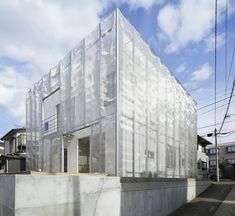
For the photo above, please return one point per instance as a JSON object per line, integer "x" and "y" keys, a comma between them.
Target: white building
{"x": 202, "y": 157}
{"x": 111, "y": 106}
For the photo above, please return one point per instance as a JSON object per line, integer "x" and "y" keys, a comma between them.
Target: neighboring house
{"x": 14, "y": 140}
{"x": 1, "y": 147}
{"x": 1, "y": 153}
{"x": 202, "y": 157}
{"x": 226, "y": 153}
{"x": 111, "y": 106}
{"x": 13, "y": 159}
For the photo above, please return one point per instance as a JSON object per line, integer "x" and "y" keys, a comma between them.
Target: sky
{"x": 36, "y": 34}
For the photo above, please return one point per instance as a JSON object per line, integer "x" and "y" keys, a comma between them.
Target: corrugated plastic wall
{"x": 142, "y": 121}
{"x": 157, "y": 125}
{"x": 86, "y": 81}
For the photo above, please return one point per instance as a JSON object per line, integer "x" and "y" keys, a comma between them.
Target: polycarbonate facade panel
{"x": 86, "y": 81}
{"x": 141, "y": 120}
{"x": 157, "y": 127}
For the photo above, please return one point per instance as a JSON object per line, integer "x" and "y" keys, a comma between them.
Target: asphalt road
{"x": 207, "y": 203}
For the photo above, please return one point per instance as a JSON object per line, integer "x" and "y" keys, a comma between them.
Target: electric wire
{"x": 229, "y": 102}
{"x": 214, "y": 124}
{"x": 211, "y": 132}
{"x": 230, "y": 70}
{"x": 215, "y": 80}
{"x": 221, "y": 93}
{"x": 225, "y": 55}
{"x": 226, "y": 134}
{"x": 210, "y": 104}
{"x": 226, "y": 46}
{"x": 221, "y": 96}
{"x": 200, "y": 114}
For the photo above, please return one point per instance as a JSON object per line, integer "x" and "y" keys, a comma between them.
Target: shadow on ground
{"x": 207, "y": 202}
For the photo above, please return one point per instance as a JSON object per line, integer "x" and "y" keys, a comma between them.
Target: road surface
{"x": 217, "y": 200}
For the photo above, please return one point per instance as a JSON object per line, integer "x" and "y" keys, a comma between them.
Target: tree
{"x": 223, "y": 164}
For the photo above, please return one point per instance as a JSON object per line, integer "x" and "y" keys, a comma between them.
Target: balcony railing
{"x": 50, "y": 125}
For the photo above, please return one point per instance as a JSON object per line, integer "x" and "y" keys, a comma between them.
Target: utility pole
{"x": 217, "y": 157}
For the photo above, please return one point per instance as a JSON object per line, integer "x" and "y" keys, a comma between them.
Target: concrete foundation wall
{"x": 67, "y": 195}
{"x": 62, "y": 195}
{"x": 7, "y": 195}
{"x": 160, "y": 197}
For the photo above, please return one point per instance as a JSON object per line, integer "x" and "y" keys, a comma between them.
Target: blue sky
{"x": 35, "y": 35}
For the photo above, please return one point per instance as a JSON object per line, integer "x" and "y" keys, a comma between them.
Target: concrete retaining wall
{"x": 40, "y": 195}
{"x": 159, "y": 197}
{"x": 62, "y": 195}
{"x": 7, "y": 195}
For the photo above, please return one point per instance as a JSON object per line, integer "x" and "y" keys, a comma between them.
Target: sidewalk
{"x": 227, "y": 208}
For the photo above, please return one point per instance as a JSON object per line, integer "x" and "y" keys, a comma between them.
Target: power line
{"x": 230, "y": 69}
{"x": 220, "y": 96}
{"x": 215, "y": 81}
{"x": 228, "y": 128}
{"x": 221, "y": 93}
{"x": 229, "y": 102}
{"x": 228, "y": 133}
{"x": 227, "y": 81}
{"x": 213, "y": 109}
{"x": 224, "y": 133}
{"x": 226, "y": 54}
{"x": 214, "y": 124}
{"x": 213, "y": 103}
{"x": 217, "y": 161}
{"x": 211, "y": 131}
{"x": 226, "y": 45}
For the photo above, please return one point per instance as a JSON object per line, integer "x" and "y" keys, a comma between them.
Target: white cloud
{"x": 181, "y": 68}
{"x": 35, "y": 35}
{"x": 31, "y": 28}
{"x": 134, "y": 4}
{"x": 13, "y": 88}
{"x": 210, "y": 42}
{"x": 189, "y": 22}
{"x": 231, "y": 8}
{"x": 203, "y": 73}
{"x": 168, "y": 20}
{"x": 143, "y": 3}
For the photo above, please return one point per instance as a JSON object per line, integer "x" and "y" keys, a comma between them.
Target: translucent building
{"x": 111, "y": 106}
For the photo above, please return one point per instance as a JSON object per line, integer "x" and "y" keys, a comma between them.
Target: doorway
{"x": 65, "y": 160}
{"x": 84, "y": 155}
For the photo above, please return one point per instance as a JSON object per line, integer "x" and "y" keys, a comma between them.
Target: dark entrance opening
{"x": 84, "y": 155}
{"x": 65, "y": 160}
